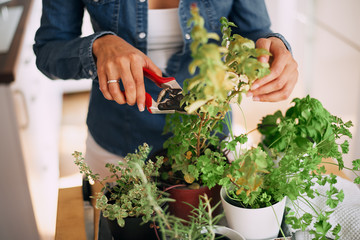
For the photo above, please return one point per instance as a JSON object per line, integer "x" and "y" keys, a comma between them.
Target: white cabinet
{"x": 17, "y": 219}
{"x": 38, "y": 106}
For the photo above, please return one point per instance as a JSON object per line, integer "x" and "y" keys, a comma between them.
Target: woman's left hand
{"x": 279, "y": 84}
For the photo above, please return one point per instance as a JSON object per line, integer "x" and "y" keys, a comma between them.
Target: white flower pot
{"x": 222, "y": 231}
{"x": 229, "y": 233}
{"x": 259, "y": 223}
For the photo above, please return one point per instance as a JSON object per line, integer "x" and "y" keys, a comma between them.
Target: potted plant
{"x": 134, "y": 199}
{"x": 202, "y": 223}
{"x": 194, "y": 156}
{"x": 287, "y": 164}
{"x": 123, "y": 199}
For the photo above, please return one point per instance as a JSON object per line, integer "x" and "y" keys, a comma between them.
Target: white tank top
{"x": 164, "y": 35}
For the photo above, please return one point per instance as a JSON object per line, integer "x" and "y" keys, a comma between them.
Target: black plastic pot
{"x": 134, "y": 229}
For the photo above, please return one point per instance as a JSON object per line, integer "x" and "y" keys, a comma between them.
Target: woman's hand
{"x": 117, "y": 59}
{"x": 279, "y": 84}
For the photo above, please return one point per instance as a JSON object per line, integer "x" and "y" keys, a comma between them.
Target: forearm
{"x": 68, "y": 59}
{"x": 59, "y": 49}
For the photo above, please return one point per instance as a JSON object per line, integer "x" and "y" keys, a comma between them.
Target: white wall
{"x": 325, "y": 38}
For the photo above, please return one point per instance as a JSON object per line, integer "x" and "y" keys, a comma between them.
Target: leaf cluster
{"x": 220, "y": 75}
{"x": 290, "y": 162}
{"x": 135, "y": 194}
{"x": 191, "y": 148}
{"x": 126, "y": 196}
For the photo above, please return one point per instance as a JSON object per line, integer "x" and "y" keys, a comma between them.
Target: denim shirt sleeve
{"x": 60, "y": 51}
{"x": 253, "y": 21}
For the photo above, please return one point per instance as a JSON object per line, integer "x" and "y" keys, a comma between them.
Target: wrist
{"x": 98, "y": 42}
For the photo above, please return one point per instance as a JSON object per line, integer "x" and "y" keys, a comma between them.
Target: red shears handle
{"x": 162, "y": 82}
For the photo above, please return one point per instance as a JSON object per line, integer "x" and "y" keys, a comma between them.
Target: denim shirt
{"x": 63, "y": 54}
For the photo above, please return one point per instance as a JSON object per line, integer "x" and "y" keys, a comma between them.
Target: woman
{"x": 132, "y": 34}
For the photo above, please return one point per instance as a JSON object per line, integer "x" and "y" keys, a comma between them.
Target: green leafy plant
{"x": 134, "y": 193}
{"x": 126, "y": 197}
{"x": 221, "y": 75}
{"x": 290, "y": 161}
{"x": 295, "y": 147}
{"x": 201, "y": 224}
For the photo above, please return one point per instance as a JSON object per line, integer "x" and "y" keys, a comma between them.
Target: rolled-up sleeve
{"x": 60, "y": 51}
{"x": 253, "y": 20}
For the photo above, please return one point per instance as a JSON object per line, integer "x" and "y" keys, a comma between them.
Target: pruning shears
{"x": 169, "y": 98}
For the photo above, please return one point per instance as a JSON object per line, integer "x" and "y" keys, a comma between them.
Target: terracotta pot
{"x": 191, "y": 196}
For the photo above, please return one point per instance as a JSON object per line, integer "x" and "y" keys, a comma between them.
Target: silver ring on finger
{"x": 112, "y": 81}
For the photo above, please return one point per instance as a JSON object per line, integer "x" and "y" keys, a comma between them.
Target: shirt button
{"x": 142, "y": 0}
{"x": 187, "y": 36}
{"x": 90, "y": 72}
{"x": 142, "y": 35}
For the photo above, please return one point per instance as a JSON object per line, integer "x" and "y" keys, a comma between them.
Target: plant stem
{"x": 207, "y": 201}
{"x": 198, "y": 147}
{"x": 347, "y": 168}
{"x": 277, "y": 220}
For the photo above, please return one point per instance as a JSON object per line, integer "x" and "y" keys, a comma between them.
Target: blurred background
{"x": 43, "y": 121}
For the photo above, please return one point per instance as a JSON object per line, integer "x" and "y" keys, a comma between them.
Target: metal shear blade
{"x": 169, "y": 98}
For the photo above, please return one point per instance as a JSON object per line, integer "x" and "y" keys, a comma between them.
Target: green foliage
{"x": 189, "y": 148}
{"x": 246, "y": 178}
{"x": 127, "y": 197}
{"x": 223, "y": 73}
{"x": 200, "y": 226}
{"x": 290, "y": 161}
{"x": 135, "y": 194}
{"x": 306, "y": 125}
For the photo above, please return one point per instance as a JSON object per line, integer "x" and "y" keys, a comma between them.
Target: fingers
{"x": 265, "y": 44}
{"x": 278, "y": 85}
{"x": 138, "y": 77}
{"x": 151, "y": 66}
{"x": 103, "y": 84}
{"x": 114, "y": 88}
{"x": 281, "y": 59}
{"x": 279, "y": 89}
{"x": 118, "y": 60}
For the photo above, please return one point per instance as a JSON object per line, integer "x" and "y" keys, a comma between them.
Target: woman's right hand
{"x": 117, "y": 59}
